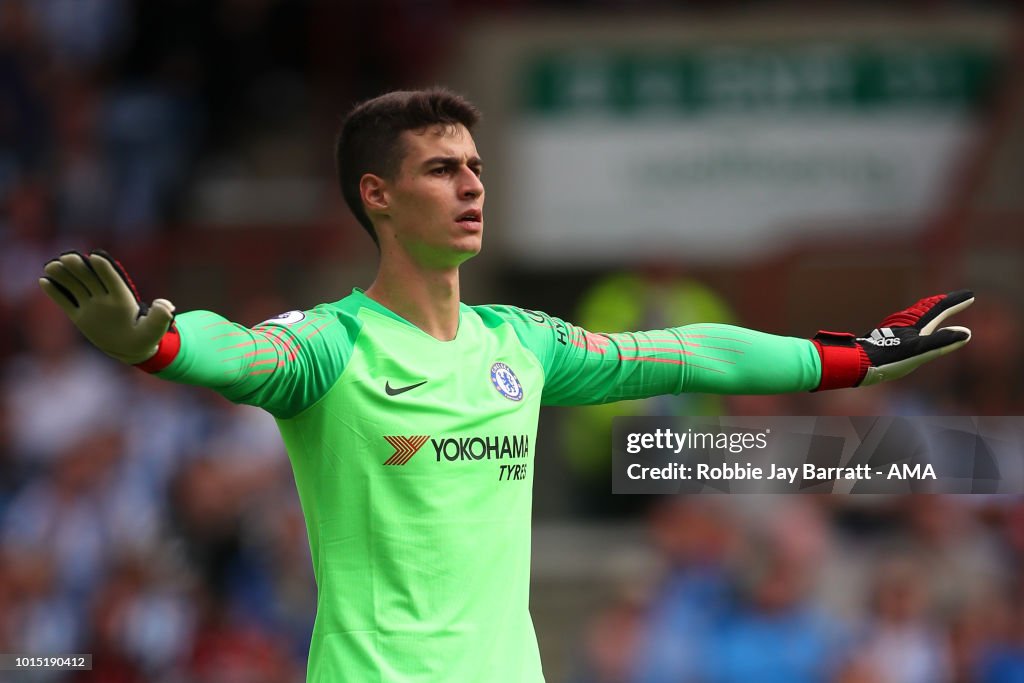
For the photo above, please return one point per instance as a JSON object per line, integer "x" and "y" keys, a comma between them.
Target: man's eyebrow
{"x": 453, "y": 161}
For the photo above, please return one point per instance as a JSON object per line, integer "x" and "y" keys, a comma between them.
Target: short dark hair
{"x": 370, "y": 138}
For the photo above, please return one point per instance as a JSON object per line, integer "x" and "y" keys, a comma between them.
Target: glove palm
{"x": 101, "y": 301}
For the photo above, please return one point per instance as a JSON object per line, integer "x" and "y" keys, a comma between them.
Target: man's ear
{"x": 373, "y": 191}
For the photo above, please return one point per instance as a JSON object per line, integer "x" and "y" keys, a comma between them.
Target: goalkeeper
{"x": 410, "y": 418}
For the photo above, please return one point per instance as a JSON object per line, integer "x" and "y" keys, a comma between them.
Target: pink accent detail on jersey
{"x": 696, "y": 346}
{"x": 709, "y": 336}
{"x": 278, "y": 337}
{"x": 257, "y": 352}
{"x": 631, "y": 342}
{"x": 317, "y": 330}
{"x": 673, "y": 340}
{"x": 590, "y": 341}
{"x": 248, "y": 342}
{"x": 291, "y": 352}
{"x": 653, "y": 359}
{"x": 306, "y": 323}
{"x": 261, "y": 371}
{"x": 671, "y": 361}
{"x": 267, "y": 371}
{"x": 716, "y": 348}
{"x": 632, "y": 339}
{"x": 682, "y": 351}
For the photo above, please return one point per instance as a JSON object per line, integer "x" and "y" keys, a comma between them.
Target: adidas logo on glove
{"x": 881, "y": 337}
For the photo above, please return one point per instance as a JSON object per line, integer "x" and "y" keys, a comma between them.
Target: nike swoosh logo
{"x": 390, "y": 391}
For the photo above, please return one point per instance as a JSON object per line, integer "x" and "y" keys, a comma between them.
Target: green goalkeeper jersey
{"x": 414, "y": 459}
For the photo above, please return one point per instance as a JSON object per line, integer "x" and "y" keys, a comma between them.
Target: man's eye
{"x": 440, "y": 171}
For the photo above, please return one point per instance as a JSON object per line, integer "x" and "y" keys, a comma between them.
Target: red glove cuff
{"x": 843, "y": 361}
{"x": 165, "y": 354}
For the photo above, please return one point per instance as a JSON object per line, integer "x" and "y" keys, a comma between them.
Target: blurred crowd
{"x": 919, "y": 589}
{"x": 151, "y": 525}
{"x": 156, "y": 526}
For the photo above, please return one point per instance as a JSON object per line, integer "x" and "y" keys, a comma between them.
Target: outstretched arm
{"x": 583, "y": 367}
{"x": 278, "y": 365}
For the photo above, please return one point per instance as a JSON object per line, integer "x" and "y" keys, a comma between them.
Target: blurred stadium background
{"x": 783, "y": 165}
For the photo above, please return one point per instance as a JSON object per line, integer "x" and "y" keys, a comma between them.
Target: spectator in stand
{"x": 775, "y": 632}
{"x": 611, "y": 641}
{"x": 905, "y": 641}
{"x": 696, "y": 537}
{"x": 964, "y": 560}
{"x": 56, "y": 377}
{"x": 1003, "y": 660}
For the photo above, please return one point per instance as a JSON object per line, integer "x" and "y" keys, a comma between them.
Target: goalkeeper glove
{"x": 102, "y": 302}
{"x": 896, "y": 347}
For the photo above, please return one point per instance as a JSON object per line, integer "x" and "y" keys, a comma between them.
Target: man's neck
{"x": 429, "y": 299}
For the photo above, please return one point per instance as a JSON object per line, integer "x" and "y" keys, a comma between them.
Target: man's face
{"x": 436, "y": 200}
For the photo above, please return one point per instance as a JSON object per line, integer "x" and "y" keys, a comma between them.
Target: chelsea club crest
{"x": 506, "y": 382}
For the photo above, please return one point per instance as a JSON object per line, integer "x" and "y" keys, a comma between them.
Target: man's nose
{"x": 472, "y": 186}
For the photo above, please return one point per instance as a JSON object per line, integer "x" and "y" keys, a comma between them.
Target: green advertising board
{"x": 730, "y": 150}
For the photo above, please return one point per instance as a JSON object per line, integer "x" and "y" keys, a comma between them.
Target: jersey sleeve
{"x": 283, "y": 365}
{"x": 582, "y": 367}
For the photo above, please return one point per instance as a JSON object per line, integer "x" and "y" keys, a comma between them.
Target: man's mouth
{"x": 471, "y": 220}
